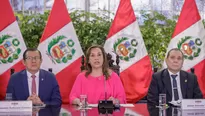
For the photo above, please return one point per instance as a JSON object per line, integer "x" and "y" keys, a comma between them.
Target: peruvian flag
{"x": 61, "y": 49}
{"x": 125, "y": 39}
{"x": 12, "y": 45}
{"x": 189, "y": 36}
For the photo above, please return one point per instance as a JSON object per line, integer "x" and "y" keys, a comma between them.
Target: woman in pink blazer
{"x": 98, "y": 82}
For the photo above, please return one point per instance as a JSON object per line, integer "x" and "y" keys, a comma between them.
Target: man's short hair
{"x": 31, "y": 49}
{"x": 175, "y": 49}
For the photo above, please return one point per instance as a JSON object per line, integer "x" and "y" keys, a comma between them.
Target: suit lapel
{"x": 41, "y": 83}
{"x": 167, "y": 82}
{"x": 183, "y": 83}
{"x": 25, "y": 83}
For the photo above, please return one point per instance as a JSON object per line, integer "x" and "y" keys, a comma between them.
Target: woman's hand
{"x": 76, "y": 101}
{"x": 115, "y": 101}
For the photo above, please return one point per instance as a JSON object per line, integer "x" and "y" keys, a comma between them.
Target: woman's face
{"x": 96, "y": 58}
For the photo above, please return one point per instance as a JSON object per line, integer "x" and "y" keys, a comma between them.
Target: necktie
{"x": 33, "y": 88}
{"x": 175, "y": 112}
{"x": 176, "y": 96}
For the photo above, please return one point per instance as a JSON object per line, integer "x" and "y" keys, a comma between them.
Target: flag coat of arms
{"x": 189, "y": 37}
{"x": 125, "y": 39}
{"x": 61, "y": 49}
{"x": 12, "y": 45}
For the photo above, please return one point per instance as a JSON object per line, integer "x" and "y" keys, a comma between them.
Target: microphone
{"x": 105, "y": 88}
{"x": 105, "y": 106}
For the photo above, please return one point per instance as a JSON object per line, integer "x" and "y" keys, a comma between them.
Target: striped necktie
{"x": 176, "y": 96}
{"x": 33, "y": 88}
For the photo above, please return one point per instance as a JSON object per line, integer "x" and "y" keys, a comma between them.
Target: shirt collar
{"x": 170, "y": 73}
{"x": 29, "y": 74}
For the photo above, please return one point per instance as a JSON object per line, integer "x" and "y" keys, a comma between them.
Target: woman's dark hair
{"x": 105, "y": 66}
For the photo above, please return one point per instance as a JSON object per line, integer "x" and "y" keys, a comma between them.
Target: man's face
{"x": 32, "y": 61}
{"x": 174, "y": 61}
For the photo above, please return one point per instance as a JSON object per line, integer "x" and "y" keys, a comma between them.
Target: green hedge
{"x": 95, "y": 30}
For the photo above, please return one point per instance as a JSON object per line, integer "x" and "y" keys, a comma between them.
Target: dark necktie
{"x": 175, "y": 112}
{"x": 176, "y": 96}
{"x": 33, "y": 88}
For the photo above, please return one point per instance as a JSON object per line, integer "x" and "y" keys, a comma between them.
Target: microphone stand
{"x": 106, "y": 112}
{"x": 105, "y": 106}
{"x": 105, "y": 89}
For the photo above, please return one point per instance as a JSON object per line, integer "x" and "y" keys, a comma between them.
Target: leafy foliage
{"x": 92, "y": 31}
{"x": 4, "y": 37}
{"x": 182, "y": 41}
{"x": 32, "y": 27}
{"x": 156, "y": 30}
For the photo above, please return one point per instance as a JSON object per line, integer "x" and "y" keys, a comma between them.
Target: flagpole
{"x": 87, "y": 8}
{"x": 44, "y": 6}
{"x": 12, "y": 4}
{"x": 66, "y": 3}
{"x": 203, "y": 9}
{"x": 23, "y": 7}
{"x": 151, "y": 4}
{"x": 152, "y": 7}
{"x": 109, "y": 9}
{"x": 172, "y": 8}
{"x": 161, "y": 7}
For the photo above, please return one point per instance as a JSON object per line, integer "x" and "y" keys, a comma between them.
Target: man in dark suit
{"x": 174, "y": 82}
{"x": 34, "y": 84}
{"x": 47, "y": 111}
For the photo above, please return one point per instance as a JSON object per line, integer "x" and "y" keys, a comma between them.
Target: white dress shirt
{"x": 30, "y": 82}
{"x": 178, "y": 85}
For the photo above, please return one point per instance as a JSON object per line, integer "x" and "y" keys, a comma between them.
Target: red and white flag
{"x": 12, "y": 45}
{"x": 125, "y": 39}
{"x": 189, "y": 36}
{"x": 61, "y": 49}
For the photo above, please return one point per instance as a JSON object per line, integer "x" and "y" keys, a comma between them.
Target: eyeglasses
{"x": 33, "y": 58}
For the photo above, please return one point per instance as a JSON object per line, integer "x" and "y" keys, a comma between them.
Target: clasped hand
{"x": 35, "y": 99}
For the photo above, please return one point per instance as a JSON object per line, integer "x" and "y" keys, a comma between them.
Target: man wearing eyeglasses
{"x": 33, "y": 83}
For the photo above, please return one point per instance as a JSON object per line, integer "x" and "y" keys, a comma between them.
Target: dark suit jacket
{"x": 50, "y": 111}
{"x": 161, "y": 83}
{"x": 48, "y": 87}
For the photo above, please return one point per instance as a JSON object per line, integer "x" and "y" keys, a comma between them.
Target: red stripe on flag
{"x": 124, "y": 17}
{"x": 7, "y": 15}
{"x": 4, "y": 78}
{"x": 66, "y": 79}
{"x": 189, "y": 15}
{"x": 136, "y": 84}
{"x": 199, "y": 71}
{"x": 58, "y": 18}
